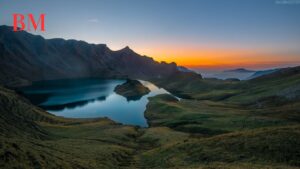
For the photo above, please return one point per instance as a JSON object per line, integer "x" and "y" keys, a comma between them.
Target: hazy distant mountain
{"x": 240, "y": 70}
{"x": 25, "y": 57}
{"x": 279, "y": 73}
{"x": 262, "y": 72}
{"x": 221, "y": 74}
{"x": 239, "y": 73}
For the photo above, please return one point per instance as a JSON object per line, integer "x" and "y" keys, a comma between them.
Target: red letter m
{"x": 34, "y": 24}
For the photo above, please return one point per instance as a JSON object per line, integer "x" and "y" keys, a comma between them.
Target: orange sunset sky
{"x": 221, "y": 57}
{"x": 255, "y": 34}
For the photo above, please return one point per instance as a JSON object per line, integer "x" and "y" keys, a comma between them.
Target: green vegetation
{"x": 32, "y": 138}
{"x": 229, "y": 106}
{"x": 216, "y": 125}
{"x": 207, "y": 117}
{"x": 272, "y": 146}
{"x": 132, "y": 89}
{"x": 235, "y": 124}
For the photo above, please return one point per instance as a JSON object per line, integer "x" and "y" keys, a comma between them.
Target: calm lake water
{"x": 90, "y": 98}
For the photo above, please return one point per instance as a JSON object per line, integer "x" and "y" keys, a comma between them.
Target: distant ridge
{"x": 261, "y": 73}
{"x": 25, "y": 58}
{"x": 240, "y": 70}
{"x": 281, "y": 73}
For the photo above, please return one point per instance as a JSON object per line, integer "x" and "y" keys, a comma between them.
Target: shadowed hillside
{"x": 25, "y": 57}
{"x": 32, "y": 138}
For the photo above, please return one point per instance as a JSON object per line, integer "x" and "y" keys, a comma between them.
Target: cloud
{"x": 93, "y": 20}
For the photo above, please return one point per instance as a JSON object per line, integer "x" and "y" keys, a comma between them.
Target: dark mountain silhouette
{"x": 25, "y": 58}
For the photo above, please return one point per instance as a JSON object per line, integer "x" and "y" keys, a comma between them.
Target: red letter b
{"x": 21, "y": 21}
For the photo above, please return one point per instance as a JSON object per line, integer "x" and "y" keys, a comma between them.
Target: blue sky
{"x": 165, "y": 29}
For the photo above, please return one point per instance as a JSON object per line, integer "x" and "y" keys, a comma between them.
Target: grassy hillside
{"x": 206, "y": 117}
{"x": 261, "y": 148}
{"x": 272, "y": 99}
{"x": 32, "y": 138}
{"x": 248, "y": 124}
{"x": 283, "y": 83}
{"x": 217, "y": 125}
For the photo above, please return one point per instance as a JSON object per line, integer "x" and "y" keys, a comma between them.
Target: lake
{"x": 90, "y": 98}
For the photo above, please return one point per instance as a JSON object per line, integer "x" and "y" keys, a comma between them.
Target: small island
{"x": 132, "y": 90}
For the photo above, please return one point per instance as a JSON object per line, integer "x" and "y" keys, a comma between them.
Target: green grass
{"x": 268, "y": 147}
{"x": 206, "y": 117}
{"x": 32, "y": 138}
{"x": 218, "y": 125}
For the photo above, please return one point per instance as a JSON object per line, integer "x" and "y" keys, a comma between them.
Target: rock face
{"x": 25, "y": 58}
{"x": 132, "y": 90}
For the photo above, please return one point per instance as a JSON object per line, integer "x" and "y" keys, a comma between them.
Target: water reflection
{"x": 71, "y": 105}
{"x": 90, "y": 98}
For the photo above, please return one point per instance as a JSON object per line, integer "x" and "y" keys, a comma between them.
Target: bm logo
{"x": 23, "y": 22}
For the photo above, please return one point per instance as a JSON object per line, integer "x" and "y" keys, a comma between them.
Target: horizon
{"x": 205, "y": 68}
{"x": 194, "y": 34}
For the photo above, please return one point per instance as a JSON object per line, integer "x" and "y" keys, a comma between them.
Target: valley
{"x": 190, "y": 133}
{"x": 192, "y": 122}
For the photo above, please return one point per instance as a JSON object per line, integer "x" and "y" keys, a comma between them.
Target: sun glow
{"x": 209, "y": 57}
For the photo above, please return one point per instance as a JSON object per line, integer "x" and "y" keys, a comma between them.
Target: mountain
{"x": 25, "y": 58}
{"x": 280, "y": 74}
{"x": 240, "y": 73}
{"x": 215, "y": 123}
{"x": 240, "y": 70}
{"x": 183, "y": 69}
{"x": 261, "y": 73}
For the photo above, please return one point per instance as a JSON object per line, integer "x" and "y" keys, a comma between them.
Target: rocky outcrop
{"x": 132, "y": 90}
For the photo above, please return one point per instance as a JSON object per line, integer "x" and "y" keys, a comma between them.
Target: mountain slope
{"x": 281, "y": 86}
{"x": 261, "y": 148}
{"x": 261, "y": 73}
{"x": 25, "y": 58}
{"x": 32, "y": 138}
{"x": 18, "y": 118}
{"x": 213, "y": 106}
{"x": 100, "y": 143}
{"x": 280, "y": 73}
{"x": 247, "y": 124}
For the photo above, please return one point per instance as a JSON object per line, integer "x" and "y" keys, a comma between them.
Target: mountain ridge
{"x": 263, "y": 72}
{"x": 240, "y": 70}
{"x": 26, "y": 57}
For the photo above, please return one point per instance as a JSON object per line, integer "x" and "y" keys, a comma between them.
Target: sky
{"x": 257, "y": 34}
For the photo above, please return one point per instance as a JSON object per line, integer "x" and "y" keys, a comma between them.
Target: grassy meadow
{"x": 215, "y": 125}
